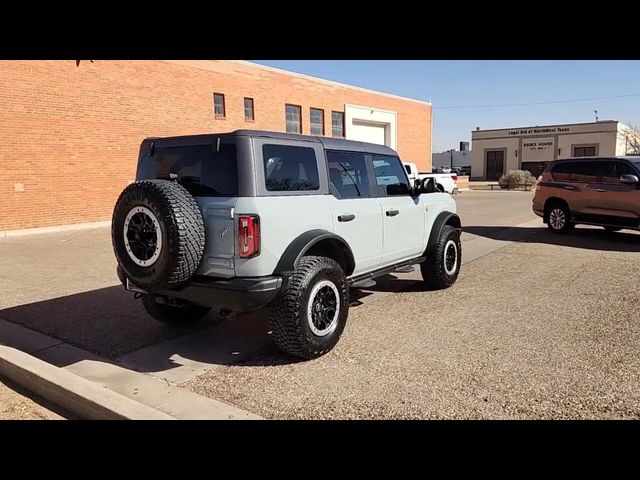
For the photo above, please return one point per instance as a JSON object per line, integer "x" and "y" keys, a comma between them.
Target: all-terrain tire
{"x": 442, "y": 264}
{"x": 289, "y": 317}
{"x": 181, "y": 314}
{"x": 178, "y": 218}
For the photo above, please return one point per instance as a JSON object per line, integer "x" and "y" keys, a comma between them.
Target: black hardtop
{"x": 328, "y": 143}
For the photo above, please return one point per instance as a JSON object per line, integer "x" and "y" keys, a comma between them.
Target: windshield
{"x": 201, "y": 169}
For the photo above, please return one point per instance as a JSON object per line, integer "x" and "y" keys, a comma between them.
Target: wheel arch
{"x": 443, "y": 218}
{"x": 553, "y": 201}
{"x": 317, "y": 242}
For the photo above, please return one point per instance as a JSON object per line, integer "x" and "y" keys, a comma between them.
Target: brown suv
{"x": 590, "y": 190}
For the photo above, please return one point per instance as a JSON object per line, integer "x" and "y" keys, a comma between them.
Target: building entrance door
{"x": 495, "y": 164}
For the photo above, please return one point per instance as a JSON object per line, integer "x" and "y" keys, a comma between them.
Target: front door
{"x": 357, "y": 216}
{"x": 494, "y": 164}
{"x": 403, "y": 216}
{"x": 617, "y": 199}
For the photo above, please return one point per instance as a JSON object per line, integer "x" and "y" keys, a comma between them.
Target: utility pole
{"x": 451, "y": 152}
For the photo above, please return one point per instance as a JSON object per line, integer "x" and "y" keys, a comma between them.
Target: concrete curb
{"x": 56, "y": 228}
{"x": 74, "y": 394}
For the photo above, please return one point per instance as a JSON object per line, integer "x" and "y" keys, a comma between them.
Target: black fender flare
{"x": 443, "y": 218}
{"x": 301, "y": 245}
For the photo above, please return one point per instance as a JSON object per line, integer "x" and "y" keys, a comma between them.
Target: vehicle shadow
{"x": 111, "y": 324}
{"x": 580, "y": 237}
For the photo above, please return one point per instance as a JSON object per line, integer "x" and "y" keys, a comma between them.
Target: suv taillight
{"x": 249, "y": 235}
{"x": 454, "y": 177}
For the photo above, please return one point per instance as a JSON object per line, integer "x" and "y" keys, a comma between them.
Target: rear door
{"x": 210, "y": 173}
{"x": 403, "y": 215}
{"x": 356, "y": 213}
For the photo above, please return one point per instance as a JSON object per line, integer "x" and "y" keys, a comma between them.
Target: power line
{"x": 539, "y": 103}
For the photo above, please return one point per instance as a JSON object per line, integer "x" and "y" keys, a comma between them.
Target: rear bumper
{"x": 237, "y": 294}
{"x": 539, "y": 213}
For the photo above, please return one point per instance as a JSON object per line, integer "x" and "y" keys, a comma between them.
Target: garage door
{"x": 367, "y": 132}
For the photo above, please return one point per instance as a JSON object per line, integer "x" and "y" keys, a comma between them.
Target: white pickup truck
{"x": 445, "y": 182}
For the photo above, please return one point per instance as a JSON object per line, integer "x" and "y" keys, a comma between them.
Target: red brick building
{"x": 70, "y": 132}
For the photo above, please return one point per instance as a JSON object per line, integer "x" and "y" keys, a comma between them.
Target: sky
{"x": 458, "y": 83}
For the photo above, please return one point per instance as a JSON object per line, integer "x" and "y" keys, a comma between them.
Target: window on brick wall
{"x": 249, "y": 114}
{"x": 337, "y": 124}
{"x": 317, "y": 121}
{"x": 218, "y": 105}
{"x": 293, "y": 117}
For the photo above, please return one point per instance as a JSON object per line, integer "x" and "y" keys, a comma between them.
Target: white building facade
{"x": 498, "y": 151}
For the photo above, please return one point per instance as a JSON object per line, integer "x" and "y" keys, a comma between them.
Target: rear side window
{"x": 290, "y": 168}
{"x": 390, "y": 175}
{"x": 580, "y": 172}
{"x": 348, "y": 175}
{"x": 201, "y": 169}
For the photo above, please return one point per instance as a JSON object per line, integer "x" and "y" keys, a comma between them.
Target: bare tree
{"x": 631, "y": 135}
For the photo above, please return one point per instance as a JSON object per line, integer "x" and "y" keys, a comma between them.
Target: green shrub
{"x": 516, "y": 178}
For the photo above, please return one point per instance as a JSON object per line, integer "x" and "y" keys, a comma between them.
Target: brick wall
{"x": 69, "y": 135}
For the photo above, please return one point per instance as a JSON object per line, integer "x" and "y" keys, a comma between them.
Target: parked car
{"x": 248, "y": 219}
{"x": 445, "y": 182}
{"x": 464, "y": 171}
{"x": 602, "y": 191}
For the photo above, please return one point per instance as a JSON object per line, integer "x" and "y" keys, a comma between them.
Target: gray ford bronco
{"x": 238, "y": 221}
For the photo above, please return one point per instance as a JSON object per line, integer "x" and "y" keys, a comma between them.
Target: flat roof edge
{"x": 545, "y": 126}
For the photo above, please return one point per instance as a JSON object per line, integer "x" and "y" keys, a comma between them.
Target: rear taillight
{"x": 454, "y": 177}
{"x": 248, "y": 235}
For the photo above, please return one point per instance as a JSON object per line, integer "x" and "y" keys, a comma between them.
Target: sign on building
{"x": 538, "y": 149}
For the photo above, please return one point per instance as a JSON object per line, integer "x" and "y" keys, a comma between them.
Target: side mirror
{"x": 629, "y": 179}
{"x": 429, "y": 185}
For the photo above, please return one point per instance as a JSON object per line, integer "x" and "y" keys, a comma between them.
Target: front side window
{"x": 218, "y": 105}
{"x": 317, "y": 121}
{"x": 293, "y": 118}
{"x": 348, "y": 175}
{"x": 614, "y": 170}
{"x": 390, "y": 175}
{"x": 290, "y": 168}
{"x": 337, "y": 124}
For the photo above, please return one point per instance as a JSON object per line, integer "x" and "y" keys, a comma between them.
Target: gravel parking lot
{"x": 534, "y": 330}
{"x": 16, "y": 406}
{"x": 546, "y": 327}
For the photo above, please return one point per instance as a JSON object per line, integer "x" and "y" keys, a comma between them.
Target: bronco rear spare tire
{"x": 158, "y": 234}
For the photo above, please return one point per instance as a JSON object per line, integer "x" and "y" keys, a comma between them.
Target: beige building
{"x": 495, "y": 152}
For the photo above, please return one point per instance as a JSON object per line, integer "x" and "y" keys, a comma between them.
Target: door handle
{"x": 392, "y": 213}
{"x": 346, "y": 218}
